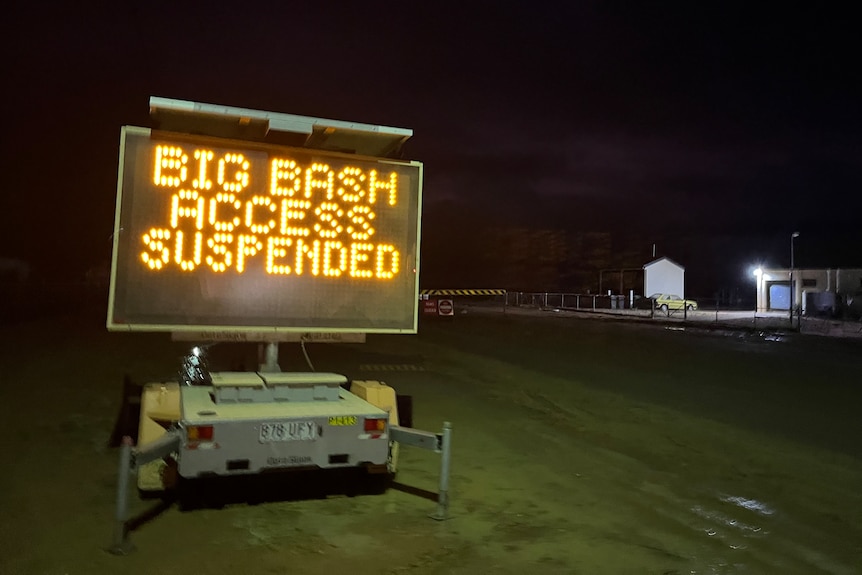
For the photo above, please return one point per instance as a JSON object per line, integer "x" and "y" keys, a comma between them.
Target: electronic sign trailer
{"x": 243, "y": 225}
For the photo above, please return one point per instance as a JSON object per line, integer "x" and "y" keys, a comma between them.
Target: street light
{"x": 758, "y": 274}
{"x": 793, "y": 236}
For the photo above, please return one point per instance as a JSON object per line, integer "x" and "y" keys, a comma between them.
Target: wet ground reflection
{"x": 728, "y": 452}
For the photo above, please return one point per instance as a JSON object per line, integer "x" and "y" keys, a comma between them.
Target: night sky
{"x": 708, "y": 131}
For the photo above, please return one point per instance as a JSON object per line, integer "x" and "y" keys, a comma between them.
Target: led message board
{"x": 222, "y": 235}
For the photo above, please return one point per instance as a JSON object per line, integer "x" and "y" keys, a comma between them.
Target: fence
{"x": 708, "y": 309}
{"x": 712, "y": 311}
{"x": 567, "y": 300}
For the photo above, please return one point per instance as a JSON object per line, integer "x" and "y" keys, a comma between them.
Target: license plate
{"x": 290, "y": 431}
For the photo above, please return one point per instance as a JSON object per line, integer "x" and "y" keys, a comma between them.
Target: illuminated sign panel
{"x": 223, "y": 234}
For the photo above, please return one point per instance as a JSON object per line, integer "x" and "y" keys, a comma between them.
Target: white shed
{"x": 664, "y": 276}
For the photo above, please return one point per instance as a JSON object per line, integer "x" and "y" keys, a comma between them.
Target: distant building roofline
{"x": 663, "y": 258}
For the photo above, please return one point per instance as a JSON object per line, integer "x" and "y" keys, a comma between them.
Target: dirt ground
{"x": 580, "y": 447}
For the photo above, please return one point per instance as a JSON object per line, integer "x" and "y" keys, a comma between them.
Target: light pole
{"x": 758, "y": 275}
{"x": 793, "y": 236}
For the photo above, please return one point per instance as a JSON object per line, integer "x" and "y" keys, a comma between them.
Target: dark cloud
{"x": 655, "y": 116}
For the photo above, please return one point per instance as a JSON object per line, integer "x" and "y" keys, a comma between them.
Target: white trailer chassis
{"x": 132, "y": 458}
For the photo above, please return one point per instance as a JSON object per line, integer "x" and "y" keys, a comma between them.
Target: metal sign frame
{"x": 410, "y": 266}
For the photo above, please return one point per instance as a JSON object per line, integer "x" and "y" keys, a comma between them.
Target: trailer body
{"x": 250, "y": 423}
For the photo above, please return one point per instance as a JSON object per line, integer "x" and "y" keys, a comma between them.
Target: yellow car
{"x": 668, "y": 302}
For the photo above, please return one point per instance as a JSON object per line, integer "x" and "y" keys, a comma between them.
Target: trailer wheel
{"x": 187, "y": 497}
{"x": 405, "y": 410}
{"x": 378, "y": 483}
{"x": 200, "y": 493}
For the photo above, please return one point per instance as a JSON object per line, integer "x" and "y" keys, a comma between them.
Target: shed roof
{"x": 661, "y": 259}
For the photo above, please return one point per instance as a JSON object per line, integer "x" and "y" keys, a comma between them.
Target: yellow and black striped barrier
{"x": 390, "y": 367}
{"x": 436, "y": 292}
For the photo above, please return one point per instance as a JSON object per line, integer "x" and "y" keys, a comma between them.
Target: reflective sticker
{"x": 343, "y": 420}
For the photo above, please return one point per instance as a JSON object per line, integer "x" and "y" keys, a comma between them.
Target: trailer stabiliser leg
{"x": 130, "y": 460}
{"x": 120, "y": 544}
{"x": 442, "y": 512}
{"x": 439, "y": 443}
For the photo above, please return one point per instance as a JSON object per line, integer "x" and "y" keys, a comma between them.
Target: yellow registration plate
{"x": 343, "y": 420}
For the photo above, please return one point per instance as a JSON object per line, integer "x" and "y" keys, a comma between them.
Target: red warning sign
{"x": 445, "y": 307}
{"x": 429, "y": 306}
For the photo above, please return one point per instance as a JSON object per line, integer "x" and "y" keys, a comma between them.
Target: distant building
{"x": 814, "y": 291}
{"x": 664, "y": 276}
